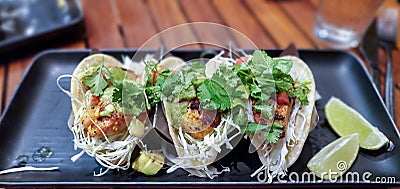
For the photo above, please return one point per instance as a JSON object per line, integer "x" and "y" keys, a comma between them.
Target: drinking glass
{"x": 342, "y": 23}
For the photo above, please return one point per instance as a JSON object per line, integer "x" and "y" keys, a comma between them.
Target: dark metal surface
{"x": 38, "y": 113}
{"x": 387, "y": 33}
{"x": 290, "y": 50}
{"x": 369, "y": 49}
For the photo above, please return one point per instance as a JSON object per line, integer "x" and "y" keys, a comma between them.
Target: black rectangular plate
{"x": 38, "y": 113}
{"x": 38, "y": 22}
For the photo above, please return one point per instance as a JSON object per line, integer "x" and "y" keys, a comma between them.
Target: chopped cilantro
{"x": 117, "y": 76}
{"x": 232, "y": 84}
{"x": 134, "y": 98}
{"x": 117, "y": 95}
{"x": 153, "y": 94}
{"x": 300, "y": 91}
{"x": 264, "y": 76}
{"x": 272, "y": 131}
{"x": 149, "y": 71}
{"x": 283, "y": 81}
{"x": 97, "y": 80}
{"x": 213, "y": 96}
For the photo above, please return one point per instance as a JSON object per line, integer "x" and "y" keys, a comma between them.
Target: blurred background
{"x": 29, "y": 27}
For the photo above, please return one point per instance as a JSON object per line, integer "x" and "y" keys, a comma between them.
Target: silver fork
{"x": 387, "y": 34}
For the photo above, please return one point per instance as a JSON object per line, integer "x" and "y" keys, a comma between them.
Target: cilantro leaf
{"x": 213, "y": 96}
{"x": 300, "y": 91}
{"x": 261, "y": 66}
{"x": 153, "y": 94}
{"x": 272, "y": 131}
{"x": 134, "y": 99}
{"x": 231, "y": 83}
{"x": 149, "y": 71}
{"x": 283, "y": 65}
{"x": 117, "y": 76}
{"x": 283, "y": 81}
{"x": 254, "y": 127}
{"x": 117, "y": 94}
{"x": 96, "y": 82}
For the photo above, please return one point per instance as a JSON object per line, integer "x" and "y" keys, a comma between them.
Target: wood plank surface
{"x": 101, "y": 24}
{"x": 15, "y": 71}
{"x": 279, "y": 24}
{"x": 212, "y": 29}
{"x": 167, "y": 14}
{"x": 396, "y": 78}
{"x": 2, "y": 86}
{"x": 302, "y": 12}
{"x": 137, "y": 24}
{"x": 237, "y": 16}
{"x": 74, "y": 45}
{"x": 397, "y": 107}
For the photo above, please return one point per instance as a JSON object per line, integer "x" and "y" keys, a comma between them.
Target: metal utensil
{"x": 387, "y": 34}
{"x": 369, "y": 49}
{"x": 290, "y": 50}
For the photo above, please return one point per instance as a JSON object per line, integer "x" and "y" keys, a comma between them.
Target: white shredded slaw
{"x": 197, "y": 154}
{"x": 274, "y": 157}
{"x": 112, "y": 152}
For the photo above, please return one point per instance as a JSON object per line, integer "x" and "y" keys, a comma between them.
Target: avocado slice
{"x": 148, "y": 163}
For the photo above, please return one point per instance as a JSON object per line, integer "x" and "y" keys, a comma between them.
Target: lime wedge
{"x": 172, "y": 63}
{"x": 335, "y": 158}
{"x": 345, "y": 120}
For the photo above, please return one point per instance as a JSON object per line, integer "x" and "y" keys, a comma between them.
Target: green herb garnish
{"x": 272, "y": 131}
{"x": 97, "y": 80}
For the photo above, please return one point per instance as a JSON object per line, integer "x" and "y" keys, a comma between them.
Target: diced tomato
{"x": 283, "y": 134}
{"x": 103, "y": 74}
{"x": 95, "y": 100}
{"x": 155, "y": 76}
{"x": 282, "y": 98}
{"x": 241, "y": 59}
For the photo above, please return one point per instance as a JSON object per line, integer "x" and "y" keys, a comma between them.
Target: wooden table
{"x": 119, "y": 24}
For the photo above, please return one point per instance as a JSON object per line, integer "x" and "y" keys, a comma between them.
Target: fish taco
{"x": 205, "y": 107}
{"x": 280, "y": 105}
{"x": 104, "y": 126}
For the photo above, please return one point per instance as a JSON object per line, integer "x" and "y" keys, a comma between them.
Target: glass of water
{"x": 342, "y": 23}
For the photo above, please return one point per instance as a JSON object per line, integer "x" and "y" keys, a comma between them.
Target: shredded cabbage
{"x": 274, "y": 157}
{"x": 197, "y": 155}
{"x": 112, "y": 152}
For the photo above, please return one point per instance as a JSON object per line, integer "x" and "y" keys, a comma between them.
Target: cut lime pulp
{"x": 336, "y": 158}
{"x": 344, "y": 120}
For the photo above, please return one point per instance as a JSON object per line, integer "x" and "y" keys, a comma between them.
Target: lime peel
{"x": 345, "y": 120}
{"x": 336, "y": 158}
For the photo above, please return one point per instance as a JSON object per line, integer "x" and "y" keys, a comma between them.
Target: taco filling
{"x": 282, "y": 95}
{"x": 205, "y": 108}
{"x": 104, "y": 126}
